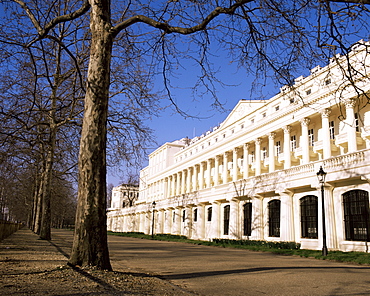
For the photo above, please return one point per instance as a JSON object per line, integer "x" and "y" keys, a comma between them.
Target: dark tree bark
{"x": 90, "y": 239}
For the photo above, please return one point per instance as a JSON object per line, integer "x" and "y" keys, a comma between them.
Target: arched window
{"x": 209, "y": 214}
{"x": 356, "y": 215}
{"x": 309, "y": 214}
{"x": 226, "y": 219}
{"x": 274, "y": 218}
{"x": 247, "y": 219}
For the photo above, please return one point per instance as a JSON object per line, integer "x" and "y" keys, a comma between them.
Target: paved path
{"x": 219, "y": 271}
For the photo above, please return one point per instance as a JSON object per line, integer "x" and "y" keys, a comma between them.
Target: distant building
{"x": 254, "y": 176}
{"x": 123, "y": 197}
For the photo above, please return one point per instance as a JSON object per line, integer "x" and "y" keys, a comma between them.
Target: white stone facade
{"x": 254, "y": 176}
{"x": 124, "y": 197}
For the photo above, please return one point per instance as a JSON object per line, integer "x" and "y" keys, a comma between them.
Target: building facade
{"x": 123, "y": 197}
{"x": 255, "y": 175}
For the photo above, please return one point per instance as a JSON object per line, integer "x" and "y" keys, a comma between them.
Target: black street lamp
{"x": 153, "y": 204}
{"x": 321, "y": 177}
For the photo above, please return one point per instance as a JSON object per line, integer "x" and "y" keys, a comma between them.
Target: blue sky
{"x": 170, "y": 125}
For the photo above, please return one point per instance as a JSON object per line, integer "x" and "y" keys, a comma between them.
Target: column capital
{"x": 259, "y": 141}
{"x": 272, "y": 135}
{"x": 246, "y": 146}
{"x": 305, "y": 121}
{"x": 287, "y": 129}
{"x": 226, "y": 153}
{"x": 325, "y": 112}
{"x": 350, "y": 103}
{"x": 235, "y": 149}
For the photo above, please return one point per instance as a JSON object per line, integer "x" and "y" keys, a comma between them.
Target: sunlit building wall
{"x": 254, "y": 175}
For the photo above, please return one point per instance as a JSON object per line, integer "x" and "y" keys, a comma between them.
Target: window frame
{"x": 309, "y": 216}
{"x": 356, "y": 215}
{"x": 311, "y": 137}
{"x": 209, "y": 214}
{"x": 274, "y": 219}
{"x": 332, "y": 129}
{"x": 226, "y": 220}
{"x": 247, "y": 219}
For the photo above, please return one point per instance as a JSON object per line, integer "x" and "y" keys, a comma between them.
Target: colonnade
{"x": 206, "y": 220}
{"x": 250, "y": 159}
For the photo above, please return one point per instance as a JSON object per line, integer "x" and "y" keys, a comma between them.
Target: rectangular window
{"x": 264, "y": 153}
{"x": 293, "y": 143}
{"x": 183, "y": 215}
{"x": 247, "y": 223}
{"x": 209, "y": 214}
{"x": 274, "y": 218}
{"x": 309, "y": 216}
{"x": 195, "y": 215}
{"x": 226, "y": 219}
{"x": 311, "y": 137}
{"x": 331, "y": 130}
{"x": 357, "y": 123}
{"x": 278, "y": 147}
{"x": 252, "y": 156}
{"x": 277, "y": 108}
{"x": 308, "y": 92}
{"x": 356, "y": 215}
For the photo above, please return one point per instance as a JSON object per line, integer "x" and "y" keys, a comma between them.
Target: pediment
{"x": 243, "y": 108}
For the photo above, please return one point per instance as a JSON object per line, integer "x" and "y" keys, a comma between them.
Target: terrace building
{"x": 254, "y": 176}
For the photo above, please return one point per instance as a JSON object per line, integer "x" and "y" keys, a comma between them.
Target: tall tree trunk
{"x": 90, "y": 245}
{"x": 45, "y": 231}
{"x": 38, "y": 212}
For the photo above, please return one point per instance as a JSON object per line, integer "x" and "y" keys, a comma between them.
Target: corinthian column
{"x": 235, "y": 163}
{"x": 225, "y": 171}
{"x": 304, "y": 141}
{"x": 217, "y": 167}
{"x": 201, "y": 176}
{"x": 258, "y": 156}
{"x": 326, "y": 145}
{"x": 246, "y": 161}
{"x": 287, "y": 158}
{"x": 208, "y": 179}
{"x": 351, "y": 125}
{"x": 271, "y": 152}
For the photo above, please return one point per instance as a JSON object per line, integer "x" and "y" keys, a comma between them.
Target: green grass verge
{"x": 282, "y": 248}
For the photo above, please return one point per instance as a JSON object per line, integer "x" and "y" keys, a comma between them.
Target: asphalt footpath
{"x": 30, "y": 266}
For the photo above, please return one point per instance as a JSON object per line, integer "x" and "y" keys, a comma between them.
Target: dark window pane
{"x": 274, "y": 218}
{"x": 226, "y": 219}
{"x": 247, "y": 222}
{"x": 309, "y": 214}
{"x": 356, "y": 215}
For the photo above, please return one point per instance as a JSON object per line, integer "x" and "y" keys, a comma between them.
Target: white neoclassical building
{"x": 123, "y": 197}
{"x": 255, "y": 175}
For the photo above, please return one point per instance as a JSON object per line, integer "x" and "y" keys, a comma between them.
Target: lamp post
{"x": 153, "y": 204}
{"x": 321, "y": 174}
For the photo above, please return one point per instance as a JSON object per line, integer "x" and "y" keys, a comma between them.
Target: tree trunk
{"x": 90, "y": 245}
{"x": 45, "y": 231}
{"x": 39, "y": 197}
